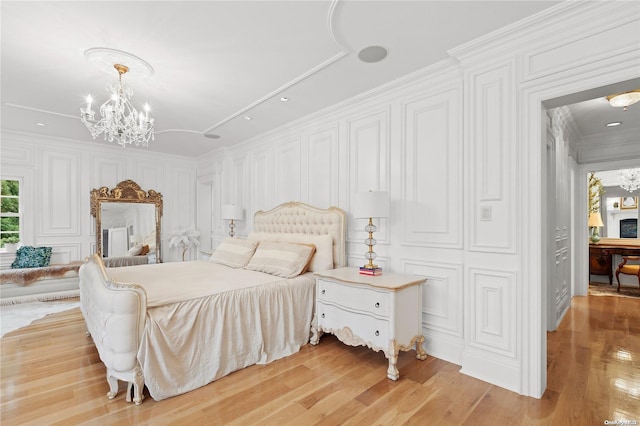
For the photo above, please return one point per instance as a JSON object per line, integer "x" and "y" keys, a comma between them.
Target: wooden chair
{"x": 629, "y": 269}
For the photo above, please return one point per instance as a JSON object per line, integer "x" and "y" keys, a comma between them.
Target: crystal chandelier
{"x": 119, "y": 122}
{"x": 629, "y": 179}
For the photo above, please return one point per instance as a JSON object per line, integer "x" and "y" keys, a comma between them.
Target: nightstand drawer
{"x": 354, "y": 297}
{"x": 367, "y": 331}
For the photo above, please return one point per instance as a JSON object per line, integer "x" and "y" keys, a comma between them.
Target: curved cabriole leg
{"x": 420, "y": 352}
{"x": 113, "y": 386}
{"x": 392, "y": 371}
{"x": 138, "y": 387}
{"x": 315, "y": 336}
{"x": 315, "y": 332}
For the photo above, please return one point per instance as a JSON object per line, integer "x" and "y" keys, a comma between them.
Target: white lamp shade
{"x": 371, "y": 204}
{"x": 232, "y": 212}
{"x": 595, "y": 220}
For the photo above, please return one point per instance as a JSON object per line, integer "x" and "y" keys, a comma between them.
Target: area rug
{"x": 604, "y": 289}
{"x": 13, "y": 317}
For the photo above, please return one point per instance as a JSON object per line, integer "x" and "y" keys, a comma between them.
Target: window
{"x": 10, "y": 212}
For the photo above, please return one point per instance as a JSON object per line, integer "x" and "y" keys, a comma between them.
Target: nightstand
{"x": 382, "y": 312}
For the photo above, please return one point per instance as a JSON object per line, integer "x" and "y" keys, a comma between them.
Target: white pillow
{"x": 285, "y": 260}
{"x": 234, "y": 252}
{"x": 135, "y": 250}
{"x": 323, "y": 256}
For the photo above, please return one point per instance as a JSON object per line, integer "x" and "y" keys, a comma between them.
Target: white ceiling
{"x": 216, "y": 62}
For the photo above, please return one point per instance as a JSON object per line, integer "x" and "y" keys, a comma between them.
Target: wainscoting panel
{"x": 59, "y": 181}
{"x": 322, "y": 168}
{"x": 432, "y": 171}
{"x": 64, "y": 253}
{"x": 368, "y": 147}
{"x": 492, "y": 313}
{"x": 442, "y": 301}
{"x": 491, "y": 144}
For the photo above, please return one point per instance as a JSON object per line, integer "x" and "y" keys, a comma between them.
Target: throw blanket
{"x": 26, "y": 276}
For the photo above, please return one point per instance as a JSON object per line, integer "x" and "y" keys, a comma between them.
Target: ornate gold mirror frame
{"x": 126, "y": 191}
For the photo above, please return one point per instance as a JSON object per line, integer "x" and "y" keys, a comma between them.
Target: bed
{"x": 177, "y": 326}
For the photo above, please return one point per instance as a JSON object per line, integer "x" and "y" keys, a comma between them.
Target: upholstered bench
{"x": 31, "y": 277}
{"x": 42, "y": 283}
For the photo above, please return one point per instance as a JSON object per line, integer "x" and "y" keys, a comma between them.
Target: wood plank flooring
{"x": 51, "y": 375}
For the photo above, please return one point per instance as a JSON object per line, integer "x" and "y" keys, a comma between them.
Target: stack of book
{"x": 370, "y": 271}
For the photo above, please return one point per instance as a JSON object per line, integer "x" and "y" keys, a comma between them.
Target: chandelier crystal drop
{"x": 119, "y": 121}
{"x": 629, "y": 179}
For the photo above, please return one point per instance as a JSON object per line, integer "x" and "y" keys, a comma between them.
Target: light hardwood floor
{"x": 51, "y": 374}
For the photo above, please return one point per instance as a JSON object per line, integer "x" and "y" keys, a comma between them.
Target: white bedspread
{"x": 206, "y": 320}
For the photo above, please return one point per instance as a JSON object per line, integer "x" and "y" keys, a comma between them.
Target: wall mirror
{"x": 127, "y": 224}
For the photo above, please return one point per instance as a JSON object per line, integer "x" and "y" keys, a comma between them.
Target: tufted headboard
{"x": 295, "y": 217}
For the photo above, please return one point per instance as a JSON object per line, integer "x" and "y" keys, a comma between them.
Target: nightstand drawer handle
{"x": 322, "y": 292}
{"x": 322, "y": 315}
{"x": 377, "y": 333}
{"x": 377, "y": 304}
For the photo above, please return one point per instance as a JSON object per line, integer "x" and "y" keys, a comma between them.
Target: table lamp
{"x": 371, "y": 204}
{"x": 232, "y": 212}
{"x": 595, "y": 222}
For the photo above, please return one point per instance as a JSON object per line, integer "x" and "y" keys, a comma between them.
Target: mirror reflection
{"x": 127, "y": 224}
{"x": 127, "y": 228}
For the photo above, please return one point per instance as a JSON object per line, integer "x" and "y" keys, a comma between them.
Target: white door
{"x": 117, "y": 242}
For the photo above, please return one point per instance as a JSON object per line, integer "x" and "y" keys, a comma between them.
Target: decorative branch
{"x": 185, "y": 238}
{"x": 595, "y": 192}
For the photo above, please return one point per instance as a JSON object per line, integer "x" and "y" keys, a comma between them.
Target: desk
{"x": 601, "y": 257}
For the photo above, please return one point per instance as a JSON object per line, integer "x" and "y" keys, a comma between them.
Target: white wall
{"x": 58, "y": 178}
{"x": 459, "y": 146}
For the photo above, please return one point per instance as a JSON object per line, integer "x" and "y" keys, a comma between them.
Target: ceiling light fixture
{"x": 613, "y": 124}
{"x": 284, "y": 99}
{"x": 624, "y": 99}
{"x": 248, "y": 118}
{"x": 120, "y": 122}
{"x": 629, "y": 179}
{"x": 40, "y": 124}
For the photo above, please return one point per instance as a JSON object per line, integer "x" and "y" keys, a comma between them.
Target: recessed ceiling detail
{"x": 104, "y": 58}
{"x": 219, "y": 61}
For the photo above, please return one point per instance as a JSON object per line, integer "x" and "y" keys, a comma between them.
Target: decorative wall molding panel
{"x": 552, "y": 58}
{"x": 107, "y": 172}
{"x": 58, "y": 180}
{"x": 491, "y": 164}
{"x": 491, "y": 308}
{"x": 263, "y": 196}
{"x": 442, "y": 300}
{"x": 64, "y": 253}
{"x": 17, "y": 155}
{"x": 368, "y": 147}
{"x": 432, "y": 181}
{"x": 322, "y": 168}
{"x": 288, "y": 156}
{"x": 59, "y": 183}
